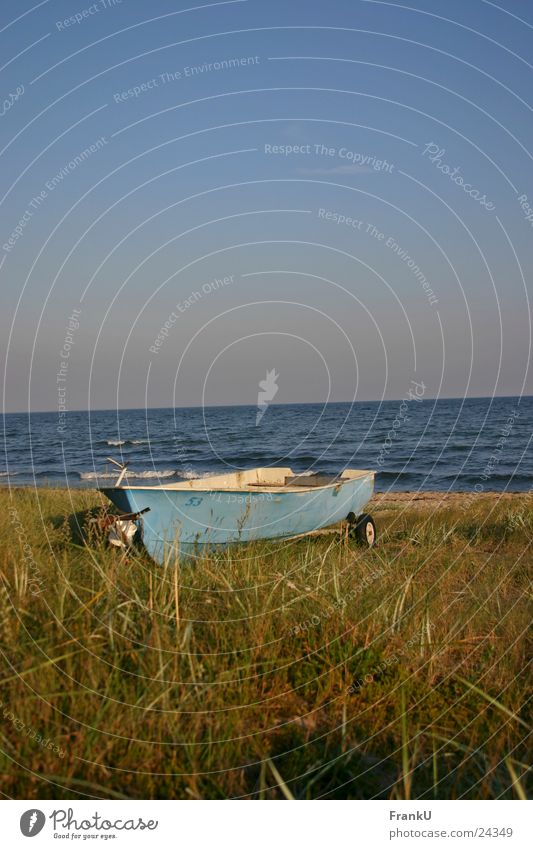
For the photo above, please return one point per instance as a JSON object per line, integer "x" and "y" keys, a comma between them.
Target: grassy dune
{"x": 298, "y": 670}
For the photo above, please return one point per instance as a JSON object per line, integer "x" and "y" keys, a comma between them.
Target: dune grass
{"x": 297, "y": 670}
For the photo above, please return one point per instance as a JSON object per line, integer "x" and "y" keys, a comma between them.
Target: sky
{"x": 194, "y": 194}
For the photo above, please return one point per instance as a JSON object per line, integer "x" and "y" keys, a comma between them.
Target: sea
{"x": 473, "y": 444}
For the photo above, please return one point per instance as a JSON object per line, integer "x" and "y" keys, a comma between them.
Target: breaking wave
{"x": 127, "y": 441}
{"x": 150, "y": 473}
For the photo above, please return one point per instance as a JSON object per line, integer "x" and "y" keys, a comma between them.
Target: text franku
{"x": 411, "y": 815}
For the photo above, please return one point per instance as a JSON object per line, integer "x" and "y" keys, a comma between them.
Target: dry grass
{"x": 299, "y": 670}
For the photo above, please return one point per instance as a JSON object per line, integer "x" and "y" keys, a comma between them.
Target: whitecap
{"x": 153, "y": 473}
{"x": 192, "y": 476}
{"x": 150, "y": 473}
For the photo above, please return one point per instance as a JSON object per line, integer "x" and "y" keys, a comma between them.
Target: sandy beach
{"x": 434, "y": 500}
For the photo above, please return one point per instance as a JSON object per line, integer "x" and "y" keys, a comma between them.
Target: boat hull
{"x": 186, "y": 521}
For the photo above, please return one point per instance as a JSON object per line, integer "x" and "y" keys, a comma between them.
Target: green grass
{"x": 298, "y": 670}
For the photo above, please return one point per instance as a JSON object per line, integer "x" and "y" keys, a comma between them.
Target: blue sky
{"x": 339, "y": 191}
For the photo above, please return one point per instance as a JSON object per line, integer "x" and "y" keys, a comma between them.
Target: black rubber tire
{"x": 364, "y": 530}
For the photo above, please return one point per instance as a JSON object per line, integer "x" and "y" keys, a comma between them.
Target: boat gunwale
{"x": 187, "y": 486}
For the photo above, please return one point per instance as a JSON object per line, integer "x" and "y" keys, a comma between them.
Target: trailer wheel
{"x": 364, "y": 530}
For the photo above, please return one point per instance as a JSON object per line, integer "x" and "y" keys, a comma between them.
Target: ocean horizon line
{"x": 282, "y": 404}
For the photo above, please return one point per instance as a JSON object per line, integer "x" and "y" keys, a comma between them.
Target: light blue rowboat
{"x": 239, "y": 507}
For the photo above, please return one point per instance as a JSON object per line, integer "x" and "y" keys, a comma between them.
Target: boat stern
{"x": 118, "y": 496}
